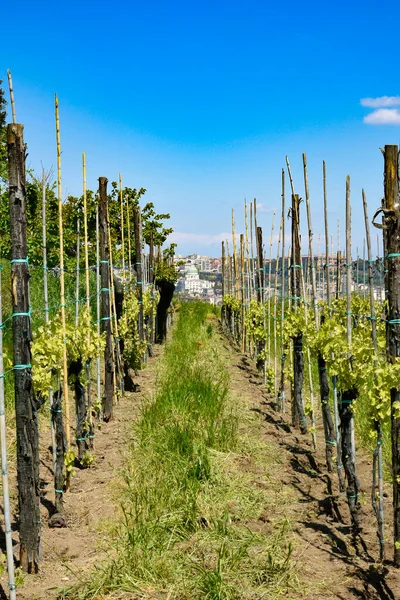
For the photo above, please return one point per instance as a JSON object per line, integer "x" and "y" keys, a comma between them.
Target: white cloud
{"x": 383, "y": 116}
{"x": 382, "y": 101}
{"x": 264, "y": 209}
{"x": 198, "y": 239}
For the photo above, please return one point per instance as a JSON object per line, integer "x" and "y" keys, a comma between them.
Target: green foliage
{"x": 153, "y": 227}
{"x": 134, "y": 348}
{"x": 165, "y": 269}
{"x": 356, "y": 366}
{"x": 255, "y": 319}
{"x": 232, "y": 304}
{"x": 48, "y": 347}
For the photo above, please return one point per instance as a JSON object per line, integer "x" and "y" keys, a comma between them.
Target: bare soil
{"x": 69, "y": 552}
{"x": 329, "y": 562}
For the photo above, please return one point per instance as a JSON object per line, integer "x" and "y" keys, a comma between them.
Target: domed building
{"x": 193, "y": 283}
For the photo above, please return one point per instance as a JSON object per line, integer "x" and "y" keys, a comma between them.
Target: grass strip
{"x": 190, "y": 525}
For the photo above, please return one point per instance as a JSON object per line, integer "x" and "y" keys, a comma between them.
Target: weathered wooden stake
{"x": 152, "y": 278}
{"x": 87, "y": 300}
{"x": 271, "y": 239}
{"x": 323, "y": 379}
{"x": 106, "y": 316}
{"x": 377, "y": 455}
{"x": 282, "y": 396}
{"x": 4, "y": 468}
{"x": 347, "y": 396}
{"x": 391, "y": 222}
{"x": 98, "y": 314}
{"x": 139, "y": 268}
{"x": 243, "y": 311}
{"x": 299, "y": 417}
{"x": 26, "y": 405}
{"x": 62, "y": 285}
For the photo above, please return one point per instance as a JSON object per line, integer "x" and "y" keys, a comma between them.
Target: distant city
{"x": 199, "y": 276}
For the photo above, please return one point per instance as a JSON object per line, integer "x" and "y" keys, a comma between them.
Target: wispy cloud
{"x": 381, "y": 102}
{"x": 198, "y": 239}
{"x": 383, "y": 116}
{"x": 262, "y": 208}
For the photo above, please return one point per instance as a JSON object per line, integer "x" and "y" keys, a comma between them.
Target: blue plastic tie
{"x": 19, "y": 260}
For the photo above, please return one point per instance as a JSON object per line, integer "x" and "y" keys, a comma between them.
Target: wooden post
{"x": 235, "y": 258}
{"x": 252, "y": 252}
{"x": 377, "y": 466}
{"x": 332, "y": 432}
{"x": 275, "y": 310}
{"x": 247, "y": 262}
{"x": 105, "y": 303}
{"x": 327, "y": 262}
{"x": 139, "y": 268}
{"x": 98, "y": 314}
{"x": 152, "y": 278}
{"x": 4, "y": 469}
{"x": 87, "y": 300}
{"x": 282, "y": 396}
{"x": 47, "y": 317}
{"x": 364, "y": 270}
{"x": 118, "y": 370}
{"x": 347, "y": 396}
{"x": 392, "y": 245}
{"x": 223, "y": 270}
{"x": 243, "y": 339}
{"x": 299, "y": 417}
{"x": 260, "y": 266}
{"x": 271, "y": 239}
{"x": 26, "y": 405}
{"x": 77, "y": 271}
{"x": 128, "y": 225}
{"x": 62, "y": 284}
{"x": 122, "y": 232}
{"x": 323, "y": 379}
{"x": 260, "y": 272}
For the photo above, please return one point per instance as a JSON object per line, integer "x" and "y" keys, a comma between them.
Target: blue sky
{"x": 201, "y": 102}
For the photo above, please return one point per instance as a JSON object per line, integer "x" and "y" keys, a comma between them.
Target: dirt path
{"x": 69, "y": 552}
{"x": 329, "y": 564}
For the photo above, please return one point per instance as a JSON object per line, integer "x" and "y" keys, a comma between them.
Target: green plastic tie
{"x": 296, "y": 266}
{"x": 394, "y": 321}
{"x": 393, "y": 255}
{"x": 59, "y": 491}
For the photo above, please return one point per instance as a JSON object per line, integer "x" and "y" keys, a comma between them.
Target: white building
{"x": 193, "y": 283}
